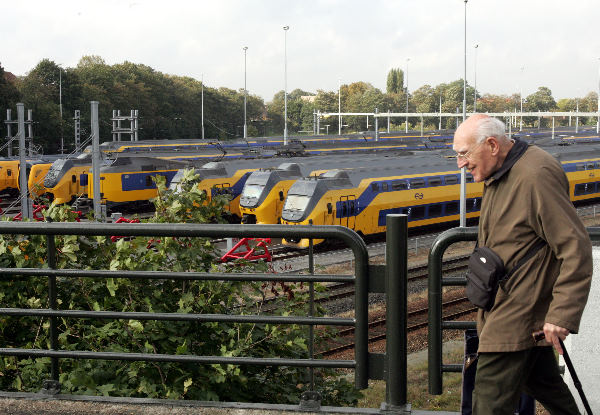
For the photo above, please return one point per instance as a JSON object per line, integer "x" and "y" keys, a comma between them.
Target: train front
{"x": 299, "y": 208}
{"x": 253, "y": 207}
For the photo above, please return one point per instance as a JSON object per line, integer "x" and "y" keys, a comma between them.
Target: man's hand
{"x": 553, "y": 333}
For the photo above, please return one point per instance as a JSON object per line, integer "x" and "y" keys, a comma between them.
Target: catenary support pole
{"x": 96, "y": 160}
{"x": 25, "y": 211}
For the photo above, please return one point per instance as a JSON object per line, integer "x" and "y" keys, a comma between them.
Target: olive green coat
{"x": 527, "y": 199}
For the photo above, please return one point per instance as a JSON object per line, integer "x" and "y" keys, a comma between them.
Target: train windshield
{"x": 176, "y": 181}
{"x": 296, "y": 202}
{"x": 252, "y": 190}
{"x": 55, "y": 173}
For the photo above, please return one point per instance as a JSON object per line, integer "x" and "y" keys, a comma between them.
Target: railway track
{"x": 417, "y": 319}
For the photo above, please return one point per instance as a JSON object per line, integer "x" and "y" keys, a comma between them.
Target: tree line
{"x": 170, "y": 106}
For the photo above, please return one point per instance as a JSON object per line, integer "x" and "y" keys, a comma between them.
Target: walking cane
{"x": 540, "y": 336}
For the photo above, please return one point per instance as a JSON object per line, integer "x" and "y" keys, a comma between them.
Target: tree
{"x": 9, "y": 95}
{"x": 395, "y": 81}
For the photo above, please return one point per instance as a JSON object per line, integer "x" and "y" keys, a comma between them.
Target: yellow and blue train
{"x": 262, "y": 198}
{"x": 426, "y": 188}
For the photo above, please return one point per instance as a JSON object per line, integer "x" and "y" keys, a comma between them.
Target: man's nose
{"x": 461, "y": 162}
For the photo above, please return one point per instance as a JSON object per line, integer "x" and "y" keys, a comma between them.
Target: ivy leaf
{"x": 188, "y": 382}
{"x": 136, "y": 326}
{"x": 111, "y": 286}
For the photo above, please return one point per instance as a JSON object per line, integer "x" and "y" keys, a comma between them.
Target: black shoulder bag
{"x": 487, "y": 271}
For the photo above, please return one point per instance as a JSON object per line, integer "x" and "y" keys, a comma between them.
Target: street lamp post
{"x": 202, "y": 106}
{"x": 62, "y": 137}
{"x": 475, "y": 81}
{"x": 463, "y": 170}
{"x": 245, "y": 96}
{"x": 339, "y": 107}
{"x": 521, "y": 99}
{"x": 465, "y": 66}
{"x": 598, "y": 109}
{"x": 406, "y": 78}
{"x": 285, "y": 130}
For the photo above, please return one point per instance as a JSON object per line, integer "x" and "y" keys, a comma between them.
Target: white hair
{"x": 490, "y": 127}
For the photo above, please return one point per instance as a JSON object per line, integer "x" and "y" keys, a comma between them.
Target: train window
{"x": 579, "y": 189}
{"x": 451, "y": 179}
{"x": 74, "y": 178}
{"x": 435, "y": 181}
{"x": 590, "y": 166}
{"x": 473, "y": 204}
{"x": 579, "y": 167}
{"x": 435, "y": 210}
{"x": 469, "y": 178}
{"x": 384, "y": 187}
{"x": 399, "y": 185}
{"x": 417, "y": 212}
{"x": 374, "y": 187}
{"x": 329, "y": 208}
{"x": 9, "y": 172}
{"x": 416, "y": 183}
{"x": 597, "y": 187}
{"x": 597, "y": 165}
{"x": 590, "y": 188}
{"x": 452, "y": 208}
{"x": 281, "y": 195}
{"x": 344, "y": 210}
{"x": 148, "y": 181}
{"x": 352, "y": 211}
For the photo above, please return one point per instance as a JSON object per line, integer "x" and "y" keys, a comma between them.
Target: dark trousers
{"x": 501, "y": 377}
{"x": 526, "y": 404}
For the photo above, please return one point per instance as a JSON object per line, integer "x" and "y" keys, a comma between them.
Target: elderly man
{"x": 525, "y": 200}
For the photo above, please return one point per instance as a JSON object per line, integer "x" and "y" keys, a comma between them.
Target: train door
{"x": 279, "y": 200}
{"x": 225, "y": 189}
{"x": 347, "y": 215}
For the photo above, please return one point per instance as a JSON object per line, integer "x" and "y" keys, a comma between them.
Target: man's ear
{"x": 494, "y": 146}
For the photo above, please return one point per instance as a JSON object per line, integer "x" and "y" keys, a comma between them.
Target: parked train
{"x": 262, "y": 198}
{"x": 9, "y": 173}
{"x": 426, "y": 189}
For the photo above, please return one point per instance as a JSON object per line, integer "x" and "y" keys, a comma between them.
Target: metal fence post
{"x": 52, "y": 386}
{"x": 396, "y": 307}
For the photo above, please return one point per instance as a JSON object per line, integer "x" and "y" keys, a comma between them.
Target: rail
{"x": 436, "y": 366}
{"x": 391, "y": 279}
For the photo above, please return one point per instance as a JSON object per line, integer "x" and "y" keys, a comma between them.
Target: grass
{"x": 417, "y": 392}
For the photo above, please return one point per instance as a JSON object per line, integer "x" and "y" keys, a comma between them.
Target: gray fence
{"x": 391, "y": 280}
{"x": 436, "y": 283}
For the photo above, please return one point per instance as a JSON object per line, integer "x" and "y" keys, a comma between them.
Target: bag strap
{"x": 536, "y": 247}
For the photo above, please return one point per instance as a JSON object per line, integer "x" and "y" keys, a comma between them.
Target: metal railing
{"x": 436, "y": 283}
{"x": 391, "y": 279}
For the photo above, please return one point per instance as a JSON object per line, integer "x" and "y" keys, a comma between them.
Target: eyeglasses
{"x": 466, "y": 155}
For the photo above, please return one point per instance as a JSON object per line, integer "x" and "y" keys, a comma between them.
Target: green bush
{"x": 151, "y": 379}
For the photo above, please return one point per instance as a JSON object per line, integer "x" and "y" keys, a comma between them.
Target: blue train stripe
{"x": 143, "y": 181}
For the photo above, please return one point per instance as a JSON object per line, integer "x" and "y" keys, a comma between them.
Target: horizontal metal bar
{"x": 156, "y": 275}
{"x": 178, "y": 230}
{"x": 458, "y": 325}
{"x": 203, "y": 318}
{"x": 179, "y": 358}
{"x": 452, "y": 368}
{"x": 454, "y": 281}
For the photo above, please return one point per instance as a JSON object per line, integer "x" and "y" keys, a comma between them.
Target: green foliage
{"x": 395, "y": 81}
{"x": 151, "y": 379}
{"x": 9, "y": 95}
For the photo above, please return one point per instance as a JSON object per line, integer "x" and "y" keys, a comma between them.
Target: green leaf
{"x": 111, "y": 286}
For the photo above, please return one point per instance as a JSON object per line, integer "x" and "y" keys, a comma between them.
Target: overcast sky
{"x": 522, "y": 43}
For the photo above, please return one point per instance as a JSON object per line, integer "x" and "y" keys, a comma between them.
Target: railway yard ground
{"x": 336, "y": 263}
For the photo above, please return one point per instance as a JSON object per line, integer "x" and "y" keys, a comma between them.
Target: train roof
{"x": 436, "y": 163}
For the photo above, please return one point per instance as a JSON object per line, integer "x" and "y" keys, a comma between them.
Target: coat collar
{"x": 514, "y": 154}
